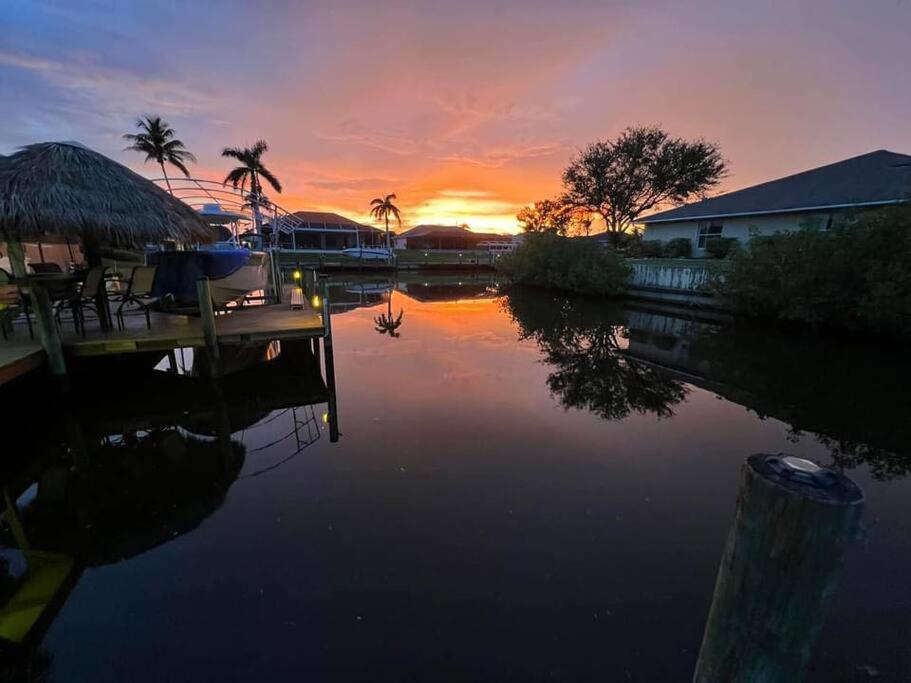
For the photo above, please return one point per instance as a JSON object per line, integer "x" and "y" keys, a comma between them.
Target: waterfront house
{"x": 430, "y": 237}
{"x": 817, "y": 197}
{"x": 326, "y": 231}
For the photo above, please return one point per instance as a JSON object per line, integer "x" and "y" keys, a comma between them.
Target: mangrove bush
{"x": 855, "y": 276}
{"x": 574, "y": 265}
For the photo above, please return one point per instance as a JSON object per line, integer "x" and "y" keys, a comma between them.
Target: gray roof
{"x": 880, "y": 177}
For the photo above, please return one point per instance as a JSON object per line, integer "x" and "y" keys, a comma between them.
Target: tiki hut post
{"x": 44, "y": 314}
{"x": 793, "y": 521}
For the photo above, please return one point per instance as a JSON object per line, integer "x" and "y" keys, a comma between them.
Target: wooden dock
{"x": 168, "y": 331}
{"x": 250, "y": 324}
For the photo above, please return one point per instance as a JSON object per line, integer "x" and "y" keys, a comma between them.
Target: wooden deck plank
{"x": 18, "y": 358}
{"x": 169, "y": 331}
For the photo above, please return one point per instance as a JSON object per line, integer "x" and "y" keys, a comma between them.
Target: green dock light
{"x": 315, "y": 301}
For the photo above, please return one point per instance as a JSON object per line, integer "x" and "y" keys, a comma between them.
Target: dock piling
{"x": 793, "y": 521}
{"x": 329, "y": 360}
{"x": 44, "y": 313}
{"x": 207, "y": 316}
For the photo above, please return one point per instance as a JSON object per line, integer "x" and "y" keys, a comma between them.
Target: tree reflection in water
{"x": 583, "y": 340}
{"x": 850, "y": 394}
{"x": 386, "y": 323}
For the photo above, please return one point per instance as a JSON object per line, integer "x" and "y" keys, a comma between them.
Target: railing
{"x": 256, "y": 211}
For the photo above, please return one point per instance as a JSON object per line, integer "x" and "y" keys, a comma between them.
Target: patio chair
{"x": 12, "y": 304}
{"x": 81, "y": 298}
{"x": 44, "y": 268}
{"x": 139, "y": 292}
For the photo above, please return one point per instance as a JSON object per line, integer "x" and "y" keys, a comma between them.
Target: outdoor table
{"x": 42, "y": 281}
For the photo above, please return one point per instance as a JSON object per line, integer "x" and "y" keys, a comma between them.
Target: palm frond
{"x": 236, "y": 176}
{"x": 177, "y": 163}
{"x": 273, "y": 181}
{"x": 234, "y": 153}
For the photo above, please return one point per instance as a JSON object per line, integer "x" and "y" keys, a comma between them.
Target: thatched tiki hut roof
{"x": 63, "y": 190}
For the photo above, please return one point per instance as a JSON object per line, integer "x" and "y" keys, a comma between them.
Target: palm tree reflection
{"x": 386, "y": 323}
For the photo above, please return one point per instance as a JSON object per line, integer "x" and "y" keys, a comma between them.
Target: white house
{"x": 814, "y": 197}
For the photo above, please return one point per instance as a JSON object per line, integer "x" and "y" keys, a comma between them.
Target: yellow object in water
{"x": 47, "y": 573}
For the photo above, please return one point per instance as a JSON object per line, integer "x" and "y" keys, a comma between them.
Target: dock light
{"x": 297, "y": 275}
{"x": 315, "y": 302}
{"x": 326, "y": 418}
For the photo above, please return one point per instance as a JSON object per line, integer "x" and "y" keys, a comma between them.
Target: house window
{"x": 706, "y": 232}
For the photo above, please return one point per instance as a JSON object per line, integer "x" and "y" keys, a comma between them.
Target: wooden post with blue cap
{"x": 793, "y": 521}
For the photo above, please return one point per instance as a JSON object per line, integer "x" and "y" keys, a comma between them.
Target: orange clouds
{"x": 468, "y": 110}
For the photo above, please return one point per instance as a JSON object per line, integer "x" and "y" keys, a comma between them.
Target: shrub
{"x": 548, "y": 260}
{"x": 651, "y": 249}
{"x": 679, "y": 247}
{"x": 856, "y": 276}
{"x": 721, "y": 247}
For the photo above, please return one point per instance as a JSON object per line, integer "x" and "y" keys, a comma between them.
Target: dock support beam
{"x": 44, "y": 314}
{"x": 207, "y": 317}
{"x": 793, "y": 521}
{"x": 275, "y": 275}
{"x": 329, "y": 360}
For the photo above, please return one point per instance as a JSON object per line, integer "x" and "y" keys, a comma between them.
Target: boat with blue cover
{"x": 233, "y": 272}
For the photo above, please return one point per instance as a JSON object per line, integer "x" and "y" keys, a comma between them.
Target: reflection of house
{"x": 324, "y": 231}
{"x": 431, "y": 237}
{"x": 815, "y": 197}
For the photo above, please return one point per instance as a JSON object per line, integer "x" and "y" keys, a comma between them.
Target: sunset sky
{"x": 467, "y": 110}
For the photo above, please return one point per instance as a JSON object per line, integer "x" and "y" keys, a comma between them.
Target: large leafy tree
{"x": 156, "y": 140}
{"x": 382, "y": 208}
{"x": 251, "y": 170}
{"x": 554, "y": 215}
{"x": 642, "y": 169}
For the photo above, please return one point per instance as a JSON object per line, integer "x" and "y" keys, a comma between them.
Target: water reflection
{"x": 583, "y": 342}
{"x": 385, "y": 323}
{"x": 462, "y": 513}
{"x": 614, "y": 361}
{"x": 128, "y": 465}
{"x": 351, "y": 292}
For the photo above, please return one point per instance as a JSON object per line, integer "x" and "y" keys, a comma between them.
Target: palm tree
{"x": 381, "y": 209}
{"x": 156, "y": 140}
{"x": 252, "y": 170}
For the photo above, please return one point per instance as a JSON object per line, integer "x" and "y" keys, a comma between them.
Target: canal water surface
{"x": 527, "y": 487}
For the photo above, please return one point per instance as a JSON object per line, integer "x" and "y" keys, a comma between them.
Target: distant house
{"x": 815, "y": 197}
{"x": 325, "y": 231}
{"x": 447, "y": 237}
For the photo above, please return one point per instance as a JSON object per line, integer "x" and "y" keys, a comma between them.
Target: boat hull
{"x": 368, "y": 254}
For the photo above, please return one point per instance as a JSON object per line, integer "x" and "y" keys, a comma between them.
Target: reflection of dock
{"x": 155, "y": 399}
